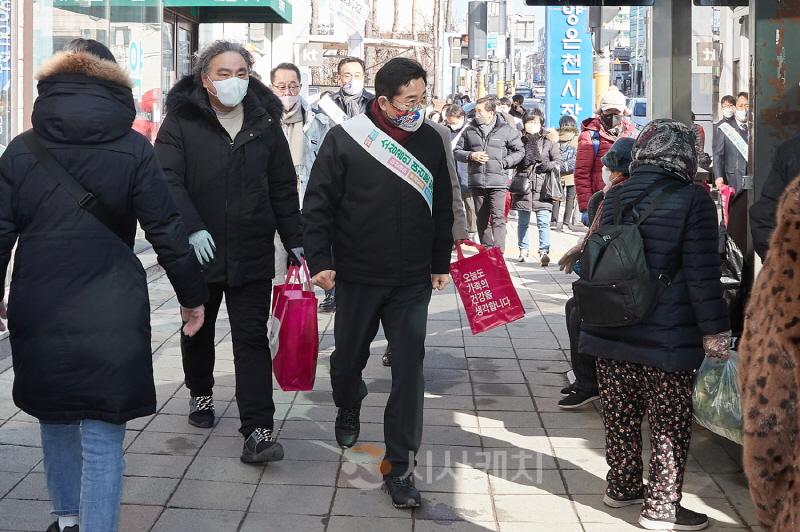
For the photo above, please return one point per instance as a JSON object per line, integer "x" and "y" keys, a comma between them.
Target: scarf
{"x": 669, "y": 145}
{"x": 292, "y": 125}
{"x": 380, "y": 120}
{"x": 352, "y": 104}
{"x": 532, "y": 153}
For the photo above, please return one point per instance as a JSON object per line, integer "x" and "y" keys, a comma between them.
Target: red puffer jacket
{"x": 588, "y": 168}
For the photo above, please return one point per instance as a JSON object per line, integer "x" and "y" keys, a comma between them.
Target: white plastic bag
{"x": 716, "y": 399}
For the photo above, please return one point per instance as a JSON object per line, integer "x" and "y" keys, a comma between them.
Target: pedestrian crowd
{"x": 247, "y": 178}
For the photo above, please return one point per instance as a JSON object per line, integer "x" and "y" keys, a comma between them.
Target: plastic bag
{"x": 716, "y": 399}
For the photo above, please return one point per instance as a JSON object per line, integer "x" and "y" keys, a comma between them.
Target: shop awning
{"x": 254, "y": 11}
{"x": 276, "y": 11}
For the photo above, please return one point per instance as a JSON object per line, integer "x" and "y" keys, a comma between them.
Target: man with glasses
{"x": 352, "y": 98}
{"x": 731, "y": 142}
{"x": 380, "y": 195}
{"x": 304, "y": 130}
{"x": 231, "y": 174}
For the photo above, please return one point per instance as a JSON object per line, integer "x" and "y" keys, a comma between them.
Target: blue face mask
{"x": 409, "y": 120}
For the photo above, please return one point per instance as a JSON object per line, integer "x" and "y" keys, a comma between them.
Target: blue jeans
{"x": 543, "y": 223}
{"x": 83, "y": 464}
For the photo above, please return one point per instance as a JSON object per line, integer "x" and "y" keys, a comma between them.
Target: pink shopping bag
{"x": 293, "y": 337}
{"x": 485, "y": 287}
{"x": 726, "y": 193}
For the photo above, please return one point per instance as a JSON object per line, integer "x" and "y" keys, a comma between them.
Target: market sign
{"x": 569, "y": 84}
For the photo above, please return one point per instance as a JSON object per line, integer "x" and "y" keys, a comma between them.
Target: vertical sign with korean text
{"x": 5, "y": 74}
{"x": 570, "y": 87}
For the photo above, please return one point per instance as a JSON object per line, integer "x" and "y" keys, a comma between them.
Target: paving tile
{"x": 438, "y": 417}
{"x": 137, "y": 518}
{"x": 451, "y": 436}
{"x": 500, "y": 419}
{"x": 148, "y": 490}
{"x": 451, "y": 480}
{"x": 561, "y": 527}
{"x": 206, "y": 495}
{"x": 584, "y": 483}
{"x": 540, "y": 354}
{"x": 521, "y": 404}
{"x": 298, "y": 500}
{"x": 592, "y": 460}
{"x": 539, "y": 509}
{"x": 368, "y": 524}
{"x": 456, "y": 507}
{"x": 454, "y": 526}
{"x": 493, "y": 364}
{"x": 165, "y": 443}
{"x": 174, "y": 519}
{"x": 572, "y": 420}
{"x": 528, "y": 482}
{"x": 8, "y": 480}
{"x": 498, "y": 377}
{"x": 222, "y": 447}
{"x": 174, "y": 423}
{"x": 33, "y": 487}
{"x": 366, "y": 503}
{"x": 224, "y": 470}
{"x": 24, "y": 515}
{"x": 258, "y": 522}
{"x": 530, "y": 439}
{"x": 20, "y": 433}
{"x": 303, "y": 473}
{"x": 579, "y": 438}
{"x": 591, "y": 509}
{"x": 506, "y": 390}
{"x": 311, "y": 450}
{"x": 156, "y": 465}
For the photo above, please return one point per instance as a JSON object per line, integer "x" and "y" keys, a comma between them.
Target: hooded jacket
{"x": 588, "y": 168}
{"x": 239, "y": 190}
{"x": 78, "y": 310}
{"x": 568, "y": 143}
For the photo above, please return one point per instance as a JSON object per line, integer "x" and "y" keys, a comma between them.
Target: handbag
{"x": 551, "y": 187}
{"x": 520, "y": 184}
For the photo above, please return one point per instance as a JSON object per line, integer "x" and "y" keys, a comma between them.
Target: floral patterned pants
{"x": 628, "y": 391}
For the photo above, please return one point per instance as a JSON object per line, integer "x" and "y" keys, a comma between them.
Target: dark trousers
{"x": 469, "y": 210}
{"x": 248, "y": 310}
{"x": 403, "y": 310}
{"x": 569, "y": 206}
{"x": 490, "y": 204}
{"x": 583, "y": 365}
{"x": 628, "y": 391}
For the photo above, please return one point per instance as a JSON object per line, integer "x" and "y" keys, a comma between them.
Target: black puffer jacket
{"x": 78, "y": 310}
{"x": 785, "y": 168}
{"x": 683, "y": 227}
{"x": 238, "y": 190}
{"x": 544, "y": 158}
{"x": 503, "y": 144}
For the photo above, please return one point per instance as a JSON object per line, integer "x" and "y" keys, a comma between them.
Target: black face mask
{"x": 611, "y": 121}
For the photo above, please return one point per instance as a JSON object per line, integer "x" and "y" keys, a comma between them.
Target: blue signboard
{"x": 569, "y": 83}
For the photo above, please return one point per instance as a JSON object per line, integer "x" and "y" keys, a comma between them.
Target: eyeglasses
{"x": 409, "y": 107}
{"x": 293, "y": 88}
{"x": 349, "y": 77}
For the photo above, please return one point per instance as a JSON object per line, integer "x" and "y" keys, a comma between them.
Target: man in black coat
{"x": 380, "y": 194}
{"x": 731, "y": 144}
{"x": 491, "y": 147}
{"x": 232, "y": 176}
{"x": 785, "y": 168}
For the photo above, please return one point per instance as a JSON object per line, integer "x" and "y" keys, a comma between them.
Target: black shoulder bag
{"x": 85, "y": 199}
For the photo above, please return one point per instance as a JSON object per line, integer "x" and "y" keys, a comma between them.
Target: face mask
{"x": 606, "y": 175}
{"x": 408, "y": 120}
{"x": 353, "y": 87}
{"x": 532, "y": 128}
{"x": 728, "y": 112}
{"x": 742, "y": 115}
{"x": 458, "y": 125}
{"x": 482, "y": 120}
{"x": 289, "y": 101}
{"x": 230, "y": 92}
{"x": 612, "y": 121}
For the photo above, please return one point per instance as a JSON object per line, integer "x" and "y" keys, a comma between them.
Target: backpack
{"x": 617, "y": 287}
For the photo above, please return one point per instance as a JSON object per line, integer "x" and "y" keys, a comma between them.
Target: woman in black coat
{"x": 78, "y": 311}
{"x": 542, "y": 156}
{"x": 648, "y": 368}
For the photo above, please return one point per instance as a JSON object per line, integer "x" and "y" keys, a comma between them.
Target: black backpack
{"x": 617, "y": 287}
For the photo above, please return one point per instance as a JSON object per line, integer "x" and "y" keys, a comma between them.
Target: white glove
{"x": 203, "y": 245}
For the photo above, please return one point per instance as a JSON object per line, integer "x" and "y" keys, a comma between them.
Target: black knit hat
{"x": 618, "y": 158}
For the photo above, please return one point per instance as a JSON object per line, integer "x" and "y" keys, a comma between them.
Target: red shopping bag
{"x": 293, "y": 337}
{"x": 726, "y": 193}
{"x": 485, "y": 287}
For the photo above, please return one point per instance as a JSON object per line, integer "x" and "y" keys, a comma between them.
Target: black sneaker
{"x": 386, "y": 359}
{"x": 577, "y": 399}
{"x": 201, "y": 411}
{"x": 613, "y": 502}
{"x": 544, "y": 259}
{"x": 55, "y": 528}
{"x": 260, "y": 448}
{"x": 348, "y": 427}
{"x": 403, "y": 492}
{"x": 567, "y": 390}
{"x": 684, "y": 520}
{"x": 329, "y": 303}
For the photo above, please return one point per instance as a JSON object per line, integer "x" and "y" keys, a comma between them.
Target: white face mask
{"x": 289, "y": 101}
{"x": 728, "y": 112}
{"x": 533, "y": 128}
{"x": 230, "y": 92}
{"x": 742, "y": 115}
{"x": 458, "y": 125}
{"x": 353, "y": 87}
{"x": 482, "y": 120}
{"x": 606, "y": 175}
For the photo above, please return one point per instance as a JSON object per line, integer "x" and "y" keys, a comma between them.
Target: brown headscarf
{"x": 667, "y": 144}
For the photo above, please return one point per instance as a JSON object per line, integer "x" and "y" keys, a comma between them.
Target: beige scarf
{"x": 292, "y": 124}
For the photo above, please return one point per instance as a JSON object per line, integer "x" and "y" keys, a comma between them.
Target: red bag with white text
{"x": 486, "y": 289}
{"x": 293, "y": 338}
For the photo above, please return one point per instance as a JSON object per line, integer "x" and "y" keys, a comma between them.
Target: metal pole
{"x": 671, "y": 57}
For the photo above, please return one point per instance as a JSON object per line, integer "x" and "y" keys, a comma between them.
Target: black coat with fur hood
{"x": 240, "y": 190}
{"x": 78, "y": 310}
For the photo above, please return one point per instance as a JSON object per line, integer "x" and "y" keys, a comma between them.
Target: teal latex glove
{"x": 203, "y": 245}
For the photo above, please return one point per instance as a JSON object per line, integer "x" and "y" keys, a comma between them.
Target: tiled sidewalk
{"x": 498, "y": 454}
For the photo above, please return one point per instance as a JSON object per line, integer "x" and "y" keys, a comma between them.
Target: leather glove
{"x": 567, "y": 262}
{"x": 717, "y": 345}
{"x": 296, "y": 256}
{"x": 203, "y": 245}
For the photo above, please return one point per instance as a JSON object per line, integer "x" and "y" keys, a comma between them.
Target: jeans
{"x": 490, "y": 204}
{"x": 543, "y": 224}
{"x": 403, "y": 311}
{"x": 83, "y": 465}
{"x": 248, "y": 309}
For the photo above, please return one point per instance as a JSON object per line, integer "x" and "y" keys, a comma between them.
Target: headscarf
{"x": 667, "y": 144}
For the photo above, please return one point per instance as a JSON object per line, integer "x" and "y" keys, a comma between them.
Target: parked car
{"x": 638, "y": 108}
